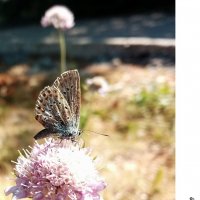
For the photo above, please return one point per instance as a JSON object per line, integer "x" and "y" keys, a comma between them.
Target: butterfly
{"x": 58, "y": 107}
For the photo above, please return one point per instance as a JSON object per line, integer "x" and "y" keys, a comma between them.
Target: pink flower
{"x": 57, "y": 170}
{"x": 60, "y": 17}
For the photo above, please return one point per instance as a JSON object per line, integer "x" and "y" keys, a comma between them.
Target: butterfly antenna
{"x": 96, "y": 133}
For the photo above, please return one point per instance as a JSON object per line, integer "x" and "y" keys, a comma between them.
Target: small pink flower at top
{"x": 60, "y": 17}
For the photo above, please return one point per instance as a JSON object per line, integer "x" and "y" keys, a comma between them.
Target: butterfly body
{"x": 58, "y": 107}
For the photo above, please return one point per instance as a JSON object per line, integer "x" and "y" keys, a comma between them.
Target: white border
{"x": 188, "y": 99}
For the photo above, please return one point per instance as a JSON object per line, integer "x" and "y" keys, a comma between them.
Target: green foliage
{"x": 155, "y": 104}
{"x": 157, "y": 99}
{"x": 149, "y": 115}
{"x": 85, "y": 114}
{"x": 156, "y": 183}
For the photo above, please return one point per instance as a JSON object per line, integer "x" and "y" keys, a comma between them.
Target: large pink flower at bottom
{"x": 60, "y": 17}
{"x": 57, "y": 170}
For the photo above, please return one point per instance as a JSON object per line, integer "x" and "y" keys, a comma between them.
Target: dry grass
{"x": 137, "y": 159}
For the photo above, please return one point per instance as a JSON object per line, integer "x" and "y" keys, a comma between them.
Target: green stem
{"x": 62, "y": 51}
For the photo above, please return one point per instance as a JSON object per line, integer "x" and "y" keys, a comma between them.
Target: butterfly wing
{"x": 43, "y": 133}
{"x": 69, "y": 85}
{"x": 58, "y": 106}
{"x": 52, "y": 110}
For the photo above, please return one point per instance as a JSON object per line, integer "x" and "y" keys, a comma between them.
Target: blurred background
{"x": 125, "y": 53}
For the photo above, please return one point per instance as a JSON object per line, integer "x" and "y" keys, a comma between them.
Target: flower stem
{"x": 62, "y": 51}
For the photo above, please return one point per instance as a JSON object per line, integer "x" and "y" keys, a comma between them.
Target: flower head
{"x": 60, "y": 17}
{"x": 57, "y": 170}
